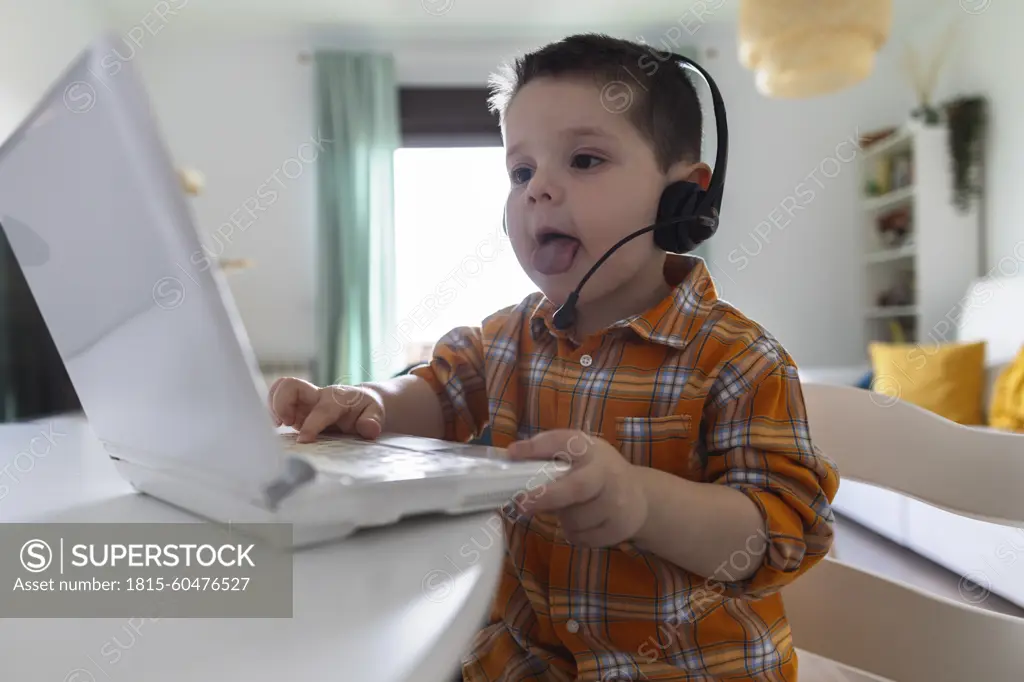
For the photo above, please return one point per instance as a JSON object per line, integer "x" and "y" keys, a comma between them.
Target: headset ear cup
{"x": 680, "y": 200}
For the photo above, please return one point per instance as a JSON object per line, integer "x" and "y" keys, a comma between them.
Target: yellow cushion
{"x": 1007, "y": 408}
{"x": 947, "y": 379}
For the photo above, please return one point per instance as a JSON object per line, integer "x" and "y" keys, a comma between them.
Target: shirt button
{"x": 586, "y": 361}
{"x": 572, "y": 626}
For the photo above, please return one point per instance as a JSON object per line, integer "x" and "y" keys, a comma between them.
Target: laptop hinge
{"x": 297, "y": 473}
{"x": 268, "y": 497}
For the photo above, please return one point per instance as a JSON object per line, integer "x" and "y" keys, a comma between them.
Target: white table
{"x": 396, "y": 603}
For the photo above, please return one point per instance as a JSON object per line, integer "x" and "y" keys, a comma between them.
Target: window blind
{"x": 447, "y": 117}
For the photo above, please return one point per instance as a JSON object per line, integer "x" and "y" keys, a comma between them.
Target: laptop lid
{"x": 145, "y": 323}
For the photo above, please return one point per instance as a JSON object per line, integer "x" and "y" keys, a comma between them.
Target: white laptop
{"x": 148, "y": 331}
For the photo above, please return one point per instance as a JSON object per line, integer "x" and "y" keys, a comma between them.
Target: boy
{"x": 694, "y": 492}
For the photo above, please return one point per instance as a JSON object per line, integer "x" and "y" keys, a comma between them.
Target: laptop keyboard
{"x": 361, "y": 460}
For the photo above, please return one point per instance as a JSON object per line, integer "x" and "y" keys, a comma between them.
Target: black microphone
{"x": 565, "y": 316}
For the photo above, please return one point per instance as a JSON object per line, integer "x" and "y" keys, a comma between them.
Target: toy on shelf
{"x": 900, "y": 293}
{"x": 895, "y": 228}
{"x": 891, "y": 172}
{"x": 868, "y": 139}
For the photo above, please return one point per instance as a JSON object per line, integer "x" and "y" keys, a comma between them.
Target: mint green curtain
{"x": 358, "y": 116}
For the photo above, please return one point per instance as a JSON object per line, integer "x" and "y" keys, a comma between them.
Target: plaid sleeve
{"x": 758, "y": 441}
{"x": 456, "y": 373}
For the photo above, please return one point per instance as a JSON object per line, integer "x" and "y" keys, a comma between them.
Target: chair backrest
{"x": 892, "y": 444}
{"x": 880, "y": 626}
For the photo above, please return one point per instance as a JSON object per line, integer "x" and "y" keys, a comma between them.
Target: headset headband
{"x": 715, "y": 190}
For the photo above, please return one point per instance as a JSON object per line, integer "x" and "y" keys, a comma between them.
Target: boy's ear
{"x": 697, "y": 173}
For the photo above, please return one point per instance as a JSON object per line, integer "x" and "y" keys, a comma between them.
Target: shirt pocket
{"x": 666, "y": 443}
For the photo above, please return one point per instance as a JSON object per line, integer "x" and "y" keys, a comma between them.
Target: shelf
{"x": 891, "y": 200}
{"x": 890, "y": 255}
{"x": 929, "y": 253}
{"x": 887, "y": 312}
{"x": 899, "y": 141}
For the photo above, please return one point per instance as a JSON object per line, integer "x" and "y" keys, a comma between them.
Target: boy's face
{"x": 579, "y": 170}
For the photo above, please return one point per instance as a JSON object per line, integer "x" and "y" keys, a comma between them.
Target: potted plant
{"x": 966, "y": 119}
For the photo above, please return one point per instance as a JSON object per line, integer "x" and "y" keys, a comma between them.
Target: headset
{"x": 687, "y": 213}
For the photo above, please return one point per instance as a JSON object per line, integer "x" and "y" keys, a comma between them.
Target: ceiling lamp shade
{"x": 804, "y": 48}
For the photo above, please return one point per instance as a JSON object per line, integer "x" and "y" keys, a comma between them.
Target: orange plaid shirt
{"x": 691, "y": 387}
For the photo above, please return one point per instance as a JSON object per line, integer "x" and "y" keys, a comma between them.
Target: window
{"x": 454, "y": 265}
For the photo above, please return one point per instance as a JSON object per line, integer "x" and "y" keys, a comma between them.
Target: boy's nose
{"x": 544, "y": 187}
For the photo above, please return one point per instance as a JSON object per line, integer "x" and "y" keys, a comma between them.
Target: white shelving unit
{"x": 940, "y": 256}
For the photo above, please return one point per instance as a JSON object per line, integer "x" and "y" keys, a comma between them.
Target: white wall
{"x": 37, "y": 41}
{"x": 786, "y": 250}
{"x": 793, "y": 272}
{"x": 985, "y": 60}
{"x": 240, "y": 113}
{"x": 237, "y": 108}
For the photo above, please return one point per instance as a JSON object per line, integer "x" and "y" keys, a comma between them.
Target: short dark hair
{"x": 663, "y": 104}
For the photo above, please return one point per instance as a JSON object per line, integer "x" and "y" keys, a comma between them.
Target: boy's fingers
{"x": 273, "y": 391}
{"x": 580, "y": 487}
{"x": 541, "y": 446}
{"x": 368, "y": 428}
{"x": 553, "y": 497}
{"x": 350, "y": 406}
{"x": 347, "y": 397}
{"x": 584, "y": 516}
{"x": 270, "y": 402}
{"x": 319, "y": 418}
{"x": 288, "y": 394}
{"x": 562, "y": 444}
{"x": 370, "y": 422}
{"x": 276, "y": 384}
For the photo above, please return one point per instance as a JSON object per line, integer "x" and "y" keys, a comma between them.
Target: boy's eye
{"x": 586, "y": 161}
{"x": 520, "y": 175}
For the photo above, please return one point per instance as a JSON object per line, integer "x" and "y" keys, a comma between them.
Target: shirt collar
{"x": 673, "y": 322}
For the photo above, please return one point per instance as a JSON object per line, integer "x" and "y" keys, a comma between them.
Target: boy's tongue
{"x": 555, "y": 256}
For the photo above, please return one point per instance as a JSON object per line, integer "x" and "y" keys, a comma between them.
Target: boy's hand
{"x": 599, "y": 502}
{"x": 302, "y": 406}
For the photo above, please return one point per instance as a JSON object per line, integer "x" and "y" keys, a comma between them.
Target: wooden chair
{"x": 881, "y": 628}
